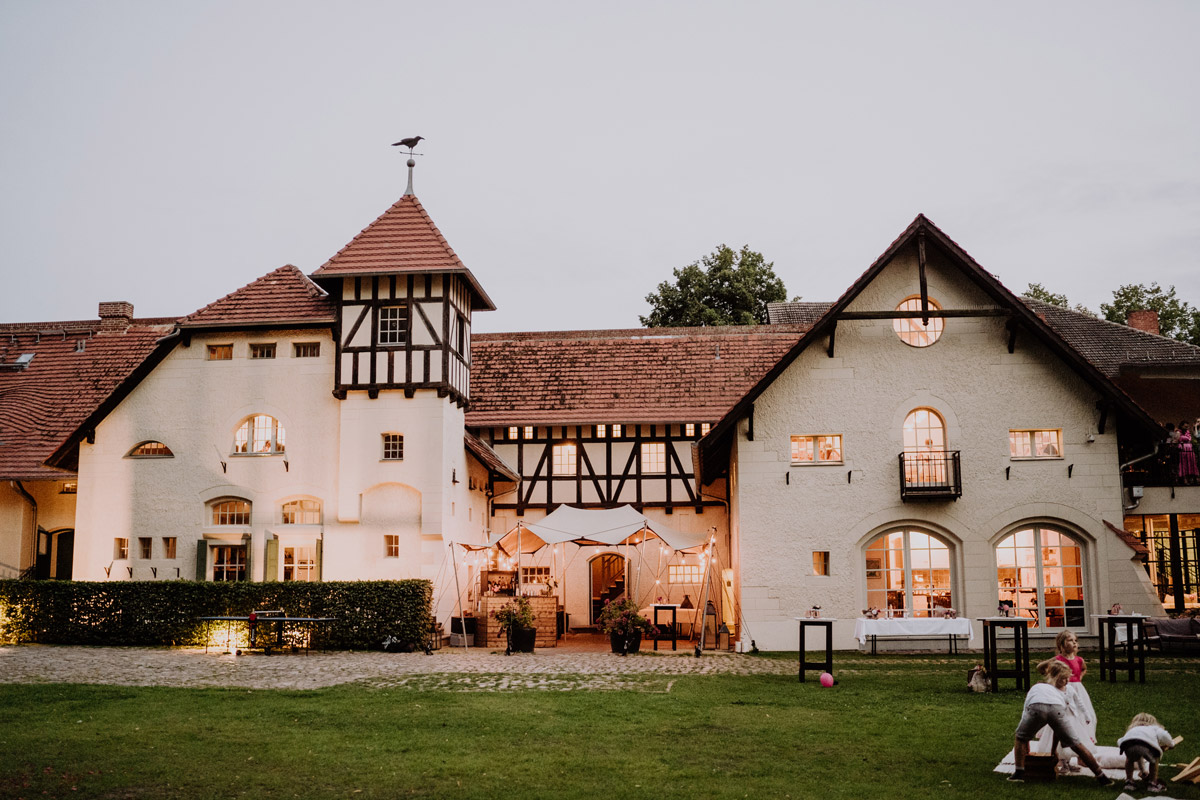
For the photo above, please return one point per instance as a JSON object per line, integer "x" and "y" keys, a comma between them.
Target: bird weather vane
{"x": 410, "y": 143}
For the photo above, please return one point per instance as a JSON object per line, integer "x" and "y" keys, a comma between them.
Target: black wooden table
{"x": 674, "y": 609}
{"x": 827, "y": 664}
{"x": 991, "y": 651}
{"x": 1112, "y": 659}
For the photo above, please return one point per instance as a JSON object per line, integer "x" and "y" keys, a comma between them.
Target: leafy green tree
{"x": 1176, "y": 318}
{"x": 1035, "y": 291}
{"x": 726, "y": 287}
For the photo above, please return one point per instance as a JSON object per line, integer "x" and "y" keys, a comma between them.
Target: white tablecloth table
{"x": 916, "y": 627}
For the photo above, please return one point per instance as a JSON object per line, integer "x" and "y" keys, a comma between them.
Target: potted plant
{"x": 624, "y": 626}
{"x": 516, "y": 622}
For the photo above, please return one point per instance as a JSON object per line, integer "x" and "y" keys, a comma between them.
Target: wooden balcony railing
{"x": 934, "y": 475}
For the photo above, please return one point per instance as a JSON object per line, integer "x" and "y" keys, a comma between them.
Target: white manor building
{"x": 927, "y": 441}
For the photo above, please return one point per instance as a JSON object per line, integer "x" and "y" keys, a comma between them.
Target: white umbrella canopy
{"x": 594, "y": 526}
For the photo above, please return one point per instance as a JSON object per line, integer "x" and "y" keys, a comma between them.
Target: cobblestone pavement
{"x": 446, "y": 669}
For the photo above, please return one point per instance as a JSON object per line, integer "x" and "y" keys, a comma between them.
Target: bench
{"x": 1173, "y": 635}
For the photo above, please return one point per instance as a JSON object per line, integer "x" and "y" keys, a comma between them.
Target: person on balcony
{"x": 1189, "y": 474}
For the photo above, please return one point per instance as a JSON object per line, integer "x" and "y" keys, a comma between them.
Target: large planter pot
{"x": 625, "y": 643}
{"x": 522, "y": 640}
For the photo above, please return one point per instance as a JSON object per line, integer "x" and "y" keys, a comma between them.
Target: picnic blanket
{"x": 1112, "y": 761}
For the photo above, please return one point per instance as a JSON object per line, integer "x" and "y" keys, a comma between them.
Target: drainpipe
{"x": 1127, "y": 464}
{"x": 34, "y": 508}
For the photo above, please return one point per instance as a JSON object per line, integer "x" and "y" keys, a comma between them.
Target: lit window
{"x": 120, "y": 548}
{"x": 70, "y": 487}
{"x": 265, "y": 350}
{"x": 393, "y": 447}
{"x": 393, "y": 325}
{"x": 391, "y": 545}
{"x": 229, "y": 562}
{"x": 151, "y": 450}
{"x": 689, "y": 429}
{"x": 302, "y": 512}
{"x": 1035, "y": 443}
{"x": 259, "y": 434}
{"x": 820, "y": 562}
{"x": 231, "y": 512}
{"x": 528, "y": 431}
{"x": 926, "y": 460}
{"x": 535, "y": 575}
{"x": 145, "y": 547}
{"x": 911, "y": 330}
{"x": 306, "y": 349}
{"x": 601, "y": 431}
{"x": 220, "y": 352}
{"x": 823, "y": 449}
{"x": 1040, "y": 574}
{"x": 683, "y": 573}
{"x": 908, "y": 573}
{"x": 654, "y": 457}
{"x": 169, "y": 545}
{"x": 513, "y": 433}
{"x": 616, "y": 431}
{"x": 705, "y": 427}
{"x": 564, "y": 459}
{"x": 299, "y": 563}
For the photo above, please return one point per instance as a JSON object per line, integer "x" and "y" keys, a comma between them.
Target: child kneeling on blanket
{"x": 1046, "y": 704}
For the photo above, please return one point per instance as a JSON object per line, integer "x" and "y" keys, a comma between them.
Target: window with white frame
{"x": 654, "y": 457}
{"x": 150, "y": 449}
{"x": 120, "y": 548}
{"x": 1035, "y": 443}
{"x": 262, "y": 350}
{"x": 912, "y": 330}
{"x": 1039, "y": 573}
{"x": 564, "y": 456}
{"x": 601, "y": 431}
{"x": 302, "y": 512}
{"x": 393, "y": 325}
{"x": 391, "y": 545}
{"x": 306, "y": 349}
{"x": 684, "y": 573}
{"x": 908, "y": 573}
{"x": 300, "y": 563}
{"x": 393, "y": 447}
{"x": 260, "y": 434}
{"x": 705, "y": 427}
{"x": 616, "y": 431}
{"x": 514, "y": 433}
{"x": 231, "y": 512}
{"x": 817, "y": 449}
{"x": 689, "y": 429}
{"x": 528, "y": 431}
{"x": 229, "y": 562}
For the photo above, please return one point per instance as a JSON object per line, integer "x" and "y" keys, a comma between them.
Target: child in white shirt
{"x": 1046, "y": 704}
{"x": 1143, "y": 745}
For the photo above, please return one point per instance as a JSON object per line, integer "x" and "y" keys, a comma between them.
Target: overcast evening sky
{"x": 169, "y": 153}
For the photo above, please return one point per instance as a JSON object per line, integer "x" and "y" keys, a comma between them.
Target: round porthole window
{"x": 911, "y": 330}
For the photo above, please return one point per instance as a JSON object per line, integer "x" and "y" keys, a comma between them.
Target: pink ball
{"x": 826, "y": 680}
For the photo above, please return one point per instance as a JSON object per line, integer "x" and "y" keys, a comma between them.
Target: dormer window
{"x": 150, "y": 449}
{"x": 393, "y": 325}
{"x": 259, "y": 435}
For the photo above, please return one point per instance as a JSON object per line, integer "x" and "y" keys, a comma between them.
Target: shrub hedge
{"x": 157, "y": 613}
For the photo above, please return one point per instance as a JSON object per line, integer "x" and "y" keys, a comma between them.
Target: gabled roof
{"x": 1131, "y": 540}
{"x": 280, "y": 298}
{"x": 42, "y": 403}
{"x": 402, "y": 240}
{"x": 714, "y": 448}
{"x": 489, "y": 458}
{"x": 643, "y": 375}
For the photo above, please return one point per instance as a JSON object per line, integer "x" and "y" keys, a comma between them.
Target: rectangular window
{"x": 689, "y": 429}
{"x": 825, "y": 449}
{"x": 601, "y": 431}
{"x": 654, "y": 457}
{"x": 513, "y": 433}
{"x": 683, "y": 573}
{"x": 391, "y": 545}
{"x": 299, "y": 563}
{"x": 820, "y": 562}
{"x": 564, "y": 459}
{"x": 70, "y": 487}
{"x": 1035, "y": 443}
{"x": 535, "y": 575}
{"x": 263, "y": 350}
{"x": 120, "y": 549}
{"x": 705, "y": 427}
{"x": 229, "y": 562}
{"x": 616, "y": 431}
{"x": 145, "y": 547}
{"x": 459, "y": 335}
{"x": 220, "y": 352}
{"x": 393, "y": 325}
{"x": 528, "y": 431}
{"x": 393, "y": 447}
{"x": 306, "y": 349}
{"x": 169, "y": 543}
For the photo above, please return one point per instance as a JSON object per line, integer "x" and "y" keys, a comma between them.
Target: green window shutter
{"x": 320, "y": 547}
{"x": 271, "y": 572}
{"x": 247, "y": 541}
{"x": 202, "y": 560}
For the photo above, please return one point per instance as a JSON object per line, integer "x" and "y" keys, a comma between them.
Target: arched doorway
{"x": 55, "y": 554}
{"x": 607, "y": 581}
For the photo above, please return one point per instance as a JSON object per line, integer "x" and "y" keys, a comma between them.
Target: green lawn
{"x": 894, "y": 727}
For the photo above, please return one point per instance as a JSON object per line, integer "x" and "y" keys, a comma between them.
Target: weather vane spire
{"x": 410, "y": 143}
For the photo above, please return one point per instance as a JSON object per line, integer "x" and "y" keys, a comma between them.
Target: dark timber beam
{"x": 750, "y": 430}
{"x": 1012, "y": 334}
{"x": 1103, "y": 407}
{"x": 921, "y": 273}
{"x": 932, "y": 313}
{"x": 832, "y": 335}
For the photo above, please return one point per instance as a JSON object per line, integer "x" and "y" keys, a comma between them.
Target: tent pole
{"x": 458, "y": 591}
{"x": 517, "y": 582}
{"x": 702, "y": 609}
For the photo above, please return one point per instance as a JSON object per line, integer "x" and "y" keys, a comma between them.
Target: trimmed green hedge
{"x": 157, "y": 613}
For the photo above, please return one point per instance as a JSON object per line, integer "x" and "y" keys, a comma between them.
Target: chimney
{"x": 1143, "y": 320}
{"x": 116, "y": 316}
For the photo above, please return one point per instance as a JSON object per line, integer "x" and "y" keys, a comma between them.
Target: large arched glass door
{"x": 908, "y": 573}
{"x": 1040, "y": 573}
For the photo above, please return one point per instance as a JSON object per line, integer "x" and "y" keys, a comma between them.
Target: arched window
{"x": 1040, "y": 573}
{"x": 302, "y": 512}
{"x": 230, "y": 511}
{"x": 150, "y": 449}
{"x": 908, "y": 571}
{"x": 911, "y": 330}
{"x": 259, "y": 434}
{"x": 925, "y": 448}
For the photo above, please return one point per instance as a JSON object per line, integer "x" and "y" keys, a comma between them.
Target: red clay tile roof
{"x": 1130, "y": 539}
{"x": 280, "y": 297}
{"x": 489, "y": 458}
{"x": 620, "y": 376}
{"x": 403, "y": 240}
{"x": 42, "y": 404}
